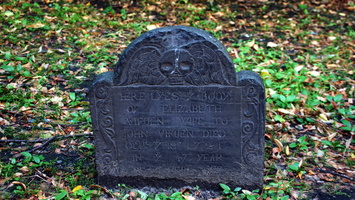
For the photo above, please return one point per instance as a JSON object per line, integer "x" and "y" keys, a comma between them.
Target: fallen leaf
{"x": 18, "y": 174}
{"x": 285, "y": 111}
{"x": 100, "y": 187}
{"x": 24, "y": 169}
{"x": 295, "y": 194}
{"x": 279, "y": 145}
{"x": 36, "y": 25}
{"x": 264, "y": 72}
{"x": 287, "y": 150}
{"x": 323, "y": 117}
{"x": 320, "y": 153}
{"x": 314, "y": 73}
{"x": 18, "y": 183}
{"x": 8, "y": 13}
{"x": 299, "y": 68}
{"x": 272, "y": 44}
{"x": 152, "y": 26}
{"x": 250, "y": 44}
{"x": 188, "y": 197}
{"x": 331, "y": 38}
{"x": 77, "y": 188}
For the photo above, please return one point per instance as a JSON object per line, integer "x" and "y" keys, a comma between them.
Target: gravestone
{"x": 175, "y": 113}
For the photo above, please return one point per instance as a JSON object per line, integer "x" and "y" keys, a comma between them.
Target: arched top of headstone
{"x": 177, "y": 55}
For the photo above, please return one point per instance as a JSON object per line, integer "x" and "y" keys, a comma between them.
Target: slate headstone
{"x": 175, "y": 113}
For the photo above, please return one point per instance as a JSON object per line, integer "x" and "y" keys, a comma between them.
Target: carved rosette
{"x": 103, "y": 127}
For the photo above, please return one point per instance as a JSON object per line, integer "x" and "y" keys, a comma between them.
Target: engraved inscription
{"x": 166, "y": 128}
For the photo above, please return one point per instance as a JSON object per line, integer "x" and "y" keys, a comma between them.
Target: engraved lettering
{"x": 137, "y": 157}
{"x": 130, "y": 96}
{"x": 181, "y": 157}
{"x": 184, "y": 108}
{"x": 214, "y": 108}
{"x": 158, "y": 95}
{"x": 209, "y": 157}
{"x": 132, "y": 109}
{"x": 216, "y": 96}
{"x": 157, "y": 144}
{"x": 157, "y": 156}
{"x": 193, "y": 146}
{"x": 214, "y": 133}
{"x": 138, "y": 121}
{"x": 209, "y": 145}
{"x": 173, "y": 145}
{"x": 221, "y": 120}
{"x": 139, "y": 133}
{"x": 191, "y": 121}
{"x": 176, "y": 133}
{"x": 138, "y": 145}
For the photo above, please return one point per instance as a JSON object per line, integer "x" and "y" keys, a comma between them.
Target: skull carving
{"x": 175, "y": 64}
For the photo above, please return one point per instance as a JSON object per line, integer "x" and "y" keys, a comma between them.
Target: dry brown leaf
{"x": 272, "y": 44}
{"x": 325, "y": 177}
{"x": 36, "y": 25}
{"x": 100, "y": 187}
{"x": 2, "y": 181}
{"x": 188, "y": 197}
{"x": 279, "y": 145}
{"x": 18, "y": 183}
{"x": 284, "y": 111}
{"x": 295, "y": 194}
{"x": 287, "y": 150}
{"x": 24, "y": 169}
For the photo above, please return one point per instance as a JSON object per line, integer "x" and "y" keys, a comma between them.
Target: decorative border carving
{"x": 249, "y": 127}
{"x": 104, "y": 128}
{"x": 253, "y": 119}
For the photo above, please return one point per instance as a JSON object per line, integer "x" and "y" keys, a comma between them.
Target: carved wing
{"x": 209, "y": 68}
{"x": 143, "y": 67}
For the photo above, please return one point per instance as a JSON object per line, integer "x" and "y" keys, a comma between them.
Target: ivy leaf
{"x": 72, "y": 96}
{"x": 27, "y": 155}
{"x": 61, "y": 195}
{"x": 36, "y": 159}
{"x": 8, "y": 68}
{"x": 338, "y": 98}
{"x": 225, "y": 187}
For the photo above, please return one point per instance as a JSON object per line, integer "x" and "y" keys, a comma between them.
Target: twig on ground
{"x": 43, "y": 145}
{"x": 46, "y": 141}
{"x": 336, "y": 174}
{"x": 43, "y": 140}
{"x": 74, "y": 124}
{"x": 27, "y": 141}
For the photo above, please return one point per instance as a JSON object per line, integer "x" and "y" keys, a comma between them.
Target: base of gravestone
{"x": 166, "y": 184}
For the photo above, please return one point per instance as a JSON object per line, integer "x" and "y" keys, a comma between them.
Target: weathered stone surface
{"x": 175, "y": 113}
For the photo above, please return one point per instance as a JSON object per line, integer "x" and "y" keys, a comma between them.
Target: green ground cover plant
{"x": 51, "y": 51}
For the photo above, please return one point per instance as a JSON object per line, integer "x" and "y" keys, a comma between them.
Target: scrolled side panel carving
{"x": 253, "y": 123}
{"x": 103, "y": 123}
